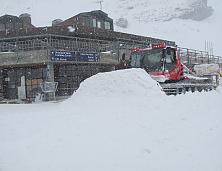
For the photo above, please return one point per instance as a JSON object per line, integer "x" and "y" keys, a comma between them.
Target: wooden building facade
{"x": 94, "y": 19}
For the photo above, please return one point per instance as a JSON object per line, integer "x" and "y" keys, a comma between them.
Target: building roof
{"x": 8, "y": 18}
{"x": 96, "y": 13}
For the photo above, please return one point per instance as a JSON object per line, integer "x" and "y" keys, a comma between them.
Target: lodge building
{"x": 49, "y": 63}
{"x": 12, "y": 23}
{"x": 94, "y": 19}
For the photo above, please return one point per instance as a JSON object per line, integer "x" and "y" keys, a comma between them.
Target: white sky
{"x": 43, "y": 12}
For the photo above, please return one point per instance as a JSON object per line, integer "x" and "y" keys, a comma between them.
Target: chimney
{"x": 56, "y": 22}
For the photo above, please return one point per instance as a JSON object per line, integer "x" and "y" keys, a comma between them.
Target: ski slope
{"x": 150, "y": 10}
{"x": 161, "y": 19}
{"x": 115, "y": 121}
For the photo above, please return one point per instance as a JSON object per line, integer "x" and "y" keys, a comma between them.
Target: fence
{"x": 56, "y": 42}
{"x": 191, "y": 57}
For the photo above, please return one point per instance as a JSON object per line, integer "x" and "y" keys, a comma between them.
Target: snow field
{"x": 108, "y": 129}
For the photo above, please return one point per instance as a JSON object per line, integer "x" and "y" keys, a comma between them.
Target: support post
{"x": 50, "y": 78}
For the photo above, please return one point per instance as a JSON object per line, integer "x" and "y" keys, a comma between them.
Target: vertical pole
{"x": 188, "y": 57}
{"x": 208, "y": 58}
{"x": 101, "y": 8}
{"x": 118, "y": 50}
{"x": 202, "y": 58}
{"x": 195, "y": 56}
{"x": 50, "y": 78}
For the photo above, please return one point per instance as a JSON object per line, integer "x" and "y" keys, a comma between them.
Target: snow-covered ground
{"x": 115, "y": 121}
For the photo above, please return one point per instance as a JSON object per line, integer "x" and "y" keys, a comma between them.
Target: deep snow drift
{"x": 130, "y": 82}
{"x": 98, "y": 130}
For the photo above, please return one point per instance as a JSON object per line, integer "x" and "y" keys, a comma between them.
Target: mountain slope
{"x": 162, "y": 10}
{"x": 150, "y": 18}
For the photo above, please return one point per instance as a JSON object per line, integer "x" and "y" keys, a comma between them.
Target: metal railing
{"x": 70, "y": 43}
{"x": 191, "y": 57}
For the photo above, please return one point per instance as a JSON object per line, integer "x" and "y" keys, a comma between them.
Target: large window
{"x": 152, "y": 60}
{"x": 107, "y": 25}
{"x": 94, "y": 22}
{"x": 135, "y": 60}
{"x": 98, "y": 24}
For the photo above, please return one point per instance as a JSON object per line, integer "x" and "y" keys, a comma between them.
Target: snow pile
{"x": 130, "y": 82}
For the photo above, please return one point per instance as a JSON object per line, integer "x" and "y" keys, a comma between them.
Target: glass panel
{"x": 94, "y": 22}
{"x": 152, "y": 60}
{"x": 170, "y": 57}
{"x": 99, "y": 24}
{"x": 135, "y": 60}
{"x": 107, "y": 25}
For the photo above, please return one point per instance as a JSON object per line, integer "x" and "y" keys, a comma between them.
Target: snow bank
{"x": 130, "y": 82}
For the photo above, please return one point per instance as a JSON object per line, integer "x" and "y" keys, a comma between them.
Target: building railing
{"x": 85, "y": 32}
{"x": 69, "y": 43}
{"x": 191, "y": 57}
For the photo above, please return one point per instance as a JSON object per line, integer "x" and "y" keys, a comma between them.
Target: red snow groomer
{"x": 164, "y": 65}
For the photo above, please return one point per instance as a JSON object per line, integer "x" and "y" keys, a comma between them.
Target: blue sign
{"x": 63, "y": 56}
{"x": 74, "y": 56}
{"x": 88, "y": 57}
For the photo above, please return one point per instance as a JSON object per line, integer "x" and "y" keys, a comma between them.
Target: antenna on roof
{"x": 100, "y": 3}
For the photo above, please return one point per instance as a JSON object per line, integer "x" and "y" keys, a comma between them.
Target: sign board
{"x": 62, "y": 56}
{"x": 87, "y": 57}
{"x": 74, "y": 56}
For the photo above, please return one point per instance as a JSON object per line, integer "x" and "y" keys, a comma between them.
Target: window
{"x": 170, "y": 57}
{"x": 2, "y": 27}
{"x": 152, "y": 60}
{"x": 94, "y": 22}
{"x": 135, "y": 59}
{"x": 107, "y": 25}
{"x": 99, "y": 24}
